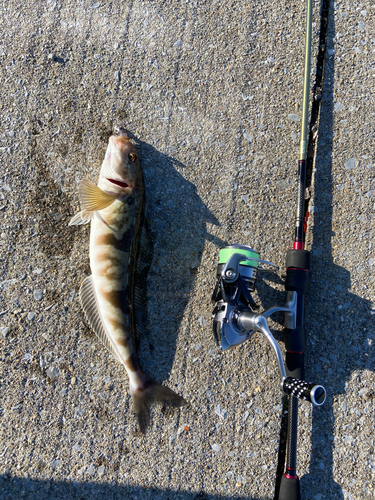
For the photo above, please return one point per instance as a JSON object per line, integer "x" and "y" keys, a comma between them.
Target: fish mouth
{"x": 119, "y": 183}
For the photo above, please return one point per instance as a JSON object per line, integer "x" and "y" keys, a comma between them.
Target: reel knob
{"x": 315, "y": 394}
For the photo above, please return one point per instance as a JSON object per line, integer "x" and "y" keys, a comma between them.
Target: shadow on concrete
{"x": 12, "y": 488}
{"x": 179, "y": 221}
{"x": 323, "y": 275}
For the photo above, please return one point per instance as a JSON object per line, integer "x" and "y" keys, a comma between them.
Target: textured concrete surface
{"x": 211, "y": 93}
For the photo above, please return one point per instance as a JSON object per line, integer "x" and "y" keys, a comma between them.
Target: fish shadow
{"x": 178, "y": 220}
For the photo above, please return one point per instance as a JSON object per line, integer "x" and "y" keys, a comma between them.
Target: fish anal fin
{"x": 92, "y": 313}
{"x": 93, "y": 198}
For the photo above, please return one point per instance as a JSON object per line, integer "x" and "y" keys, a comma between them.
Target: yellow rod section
{"x": 306, "y": 84}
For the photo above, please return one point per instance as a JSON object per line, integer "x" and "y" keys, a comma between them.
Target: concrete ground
{"x": 211, "y": 93}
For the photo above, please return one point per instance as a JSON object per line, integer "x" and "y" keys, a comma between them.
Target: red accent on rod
{"x": 298, "y": 245}
{"x": 290, "y": 477}
{"x": 295, "y": 352}
{"x": 299, "y": 268}
{"x": 292, "y": 474}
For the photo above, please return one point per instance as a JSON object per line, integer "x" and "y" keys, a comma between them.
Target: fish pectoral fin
{"x": 93, "y": 198}
{"x": 90, "y": 307}
{"x": 83, "y": 217}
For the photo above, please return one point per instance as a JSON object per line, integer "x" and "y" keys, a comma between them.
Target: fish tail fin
{"x": 153, "y": 392}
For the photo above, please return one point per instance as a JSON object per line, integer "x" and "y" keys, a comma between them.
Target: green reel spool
{"x": 227, "y": 252}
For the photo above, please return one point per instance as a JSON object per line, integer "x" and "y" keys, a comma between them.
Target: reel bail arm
{"x": 248, "y": 321}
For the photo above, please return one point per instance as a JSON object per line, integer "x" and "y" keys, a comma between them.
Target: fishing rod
{"x": 236, "y": 317}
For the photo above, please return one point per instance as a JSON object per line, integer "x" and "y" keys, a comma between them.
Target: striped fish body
{"x": 114, "y": 249}
{"x": 113, "y": 297}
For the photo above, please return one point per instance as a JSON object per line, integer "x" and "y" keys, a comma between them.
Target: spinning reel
{"x": 235, "y": 317}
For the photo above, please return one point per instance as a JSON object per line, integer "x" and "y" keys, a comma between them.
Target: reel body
{"x": 237, "y": 273}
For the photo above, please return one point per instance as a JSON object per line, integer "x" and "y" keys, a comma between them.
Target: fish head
{"x": 121, "y": 168}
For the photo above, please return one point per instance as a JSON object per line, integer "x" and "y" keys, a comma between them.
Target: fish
{"x": 113, "y": 297}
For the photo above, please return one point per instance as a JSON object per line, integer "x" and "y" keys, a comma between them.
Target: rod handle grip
{"x": 315, "y": 394}
{"x": 289, "y": 488}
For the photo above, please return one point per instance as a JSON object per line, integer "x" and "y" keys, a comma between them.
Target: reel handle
{"x": 315, "y": 394}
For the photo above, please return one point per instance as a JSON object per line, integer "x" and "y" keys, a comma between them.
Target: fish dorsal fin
{"x": 92, "y": 313}
{"x": 142, "y": 267}
{"x": 83, "y": 217}
{"x": 93, "y": 198}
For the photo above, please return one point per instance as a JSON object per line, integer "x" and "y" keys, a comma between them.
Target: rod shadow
{"x": 337, "y": 321}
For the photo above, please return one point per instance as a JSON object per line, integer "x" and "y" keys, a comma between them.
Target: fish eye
{"x": 132, "y": 157}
